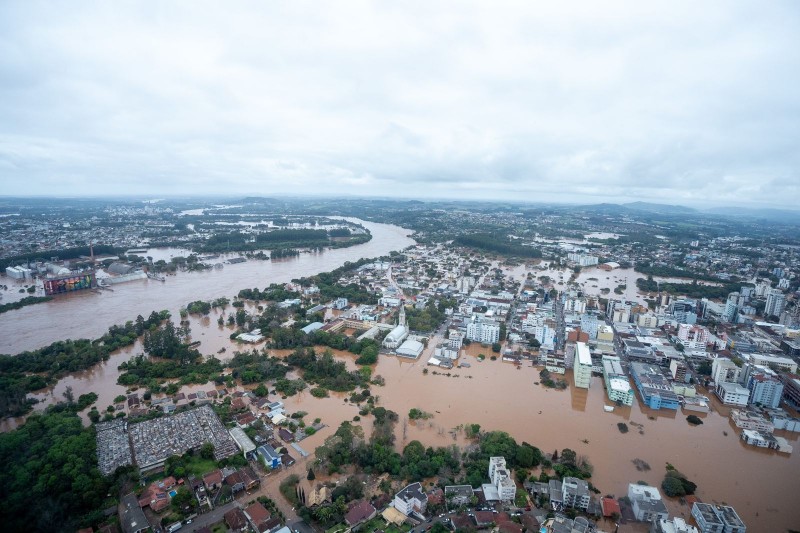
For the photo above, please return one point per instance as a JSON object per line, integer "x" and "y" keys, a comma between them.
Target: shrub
{"x": 622, "y": 426}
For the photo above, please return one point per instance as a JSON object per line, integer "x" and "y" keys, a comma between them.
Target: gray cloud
{"x": 674, "y": 101}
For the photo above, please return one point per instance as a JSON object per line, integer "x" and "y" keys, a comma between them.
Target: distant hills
{"x": 773, "y": 215}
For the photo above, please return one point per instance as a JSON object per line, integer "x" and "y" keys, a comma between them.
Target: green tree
{"x": 207, "y": 451}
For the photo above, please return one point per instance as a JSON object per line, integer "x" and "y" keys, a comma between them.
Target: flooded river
{"x": 89, "y": 314}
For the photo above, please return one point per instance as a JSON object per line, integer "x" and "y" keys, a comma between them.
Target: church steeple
{"x": 401, "y": 319}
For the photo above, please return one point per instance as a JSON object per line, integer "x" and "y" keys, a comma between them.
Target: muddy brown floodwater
{"x": 761, "y": 485}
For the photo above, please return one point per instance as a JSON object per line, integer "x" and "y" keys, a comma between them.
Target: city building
{"x": 678, "y": 370}
{"x": 500, "y": 476}
{"x": 717, "y": 518}
{"x": 575, "y": 493}
{"x": 791, "y": 390}
{"x": 396, "y": 337}
{"x": 411, "y": 500}
{"x": 723, "y": 370}
{"x": 618, "y": 387}
{"x": 483, "y": 331}
{"x": 731, "y": 308}
{"x": 776, "y": 301}
{"x": 590, "y": 324}
{"x": 765, "y": 388}
{"x": 672, "y": 525}
{"x": 785, "y": 364}
{"x": 732, "y": 394}
{"x": 646, "y": 503}
{"x": 684, "y": 311}
{"x": 654, "y": 388}
{"x": 583, "y": 260}
{"x": 242, "y": 441}
{"x": 693, "y": 336}
{"x": 131, "y": 517}
{"x": 582, "y": 372}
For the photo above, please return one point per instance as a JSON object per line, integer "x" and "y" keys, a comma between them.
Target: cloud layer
{"x": 588, "y": 101}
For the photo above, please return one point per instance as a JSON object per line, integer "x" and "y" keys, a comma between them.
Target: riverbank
{"x": 89, "y": 314}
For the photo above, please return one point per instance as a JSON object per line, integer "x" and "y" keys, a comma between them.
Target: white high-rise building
{"x": 582, "y": 369}
{"x": 775, "y": 303}
{"x": 723, "y": 370}
{"x": 483, "y": 332}
{"x": 501, "y": 478}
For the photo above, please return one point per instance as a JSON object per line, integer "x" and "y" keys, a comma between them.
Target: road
{"x": 211, "y": 517}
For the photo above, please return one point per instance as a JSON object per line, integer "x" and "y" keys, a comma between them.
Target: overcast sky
{"x": 675, "y": 102}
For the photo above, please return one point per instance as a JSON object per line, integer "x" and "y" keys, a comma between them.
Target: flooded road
{"x": 89, "y": 314}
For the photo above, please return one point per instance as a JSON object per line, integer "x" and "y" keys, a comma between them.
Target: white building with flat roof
{"x": 732, "y": 394}
{"x": 242, "y": 440}
{"x": 784, "y": 363}
{"x": 618, "y": 387}
{"x": 582, "y": 371}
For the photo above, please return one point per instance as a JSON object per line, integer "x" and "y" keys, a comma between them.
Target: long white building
{"x": 483, "y": 331}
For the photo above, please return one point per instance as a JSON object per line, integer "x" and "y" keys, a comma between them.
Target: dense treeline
{"x": 498, "y": 244}
{"x": 280, "y": 253}
{"x": 28, "y": 300}
{"x": 169, "y": 342}
{"x": 143, "y": 371}
{"x": 293, "y": 235}
{"x": 325, "y": 371}
{"x": 275, "y": 293}
{"x": 692, "y": 290}
{"x": 281, "y": 241}
{"x": 66, "y": 253}
{"x": 429, "y": 317}
{"x": 329, "y": 287}
{"x": 256, "y": 367}
{"x": 49, "y": 480}
{"x": 378, "y": 455}
{"x": 367, "y": 349}
{"x": 671, "y": 272}
{"x": 33, "y": 370}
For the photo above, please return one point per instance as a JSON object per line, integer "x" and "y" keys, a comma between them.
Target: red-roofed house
{"x": 610, "y": 506}
{"x": 483, "y": 518}
{"x": 213, "y": 480}
{"x": 360, "y": 511}
{"x": 236, "y": 520}
{"x": 258, "y": 516}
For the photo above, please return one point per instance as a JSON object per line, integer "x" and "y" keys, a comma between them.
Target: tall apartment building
{"x": 590, "y": 324}
{"x": 723, "y": 370}
{"x": 693, "y": 336}
{"x": 582, "y": 371}
{"x": 500, "y": 476}
{"x": 765, "y": 388}
{"x": 583, "y": 259}
{"x": 455, "y": 340}
{"x": 575, "y": 493}
{"x": 776, "y": 301}
{"x": 483, "y": 331}
{"x": 731, "y": 308}
{"x": 684, "y": 311}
